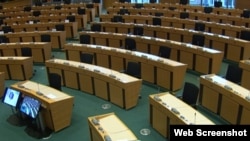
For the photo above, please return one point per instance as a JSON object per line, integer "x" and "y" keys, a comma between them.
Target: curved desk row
{"x": 112, "y": 128}
{"x": 181, "y": 7}
{"x": 157, "y": 70}
{"x": 80, "y": 19}
{"x": 16, "y": 68}
{"x": 57, "y": 106}
{"x": 41, "y": 51}
{"x": 200, "y": 59}
{"x": 234, "y": 20}
{"x": 166, "y": 109}
{"x": 234, "y": 49}
{"x": 229, "y": 100}
{"x": 118, "y": 88}
{"x": 213, "y": 27}
{"x": 69, "y": 27}
{"x": 57, "y": 38}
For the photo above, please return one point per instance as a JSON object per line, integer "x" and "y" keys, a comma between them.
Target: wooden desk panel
{"x": 224, "y": 98}
{"x": 17, "y": 68}
{"x": 162, "y": 115}
{"x": 245, "y": 66}
{"x": 57, "y": 106}
{"x": 152, "y": 70}
{"x": 112, "y": 126}
{"x": 97, "y": 80}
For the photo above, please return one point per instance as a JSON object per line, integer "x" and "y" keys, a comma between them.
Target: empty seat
{"x": 81, "y": 11}
{"x": 184, "y": 2}
{"x": 55, "y": 81}
{"x": 199, "y": 26}
{"x": 4, "y": 39}
{"x": 96, "y": 27}
{"x": 90, "y": 5}
{"x": 58, "y": 7}
{"x": 164, "y": 51}
{"x": 156, "y": 21}
{"x": 159, "y": 14}
{"x": 86, "y": 58}
{"x": 245, "y": 35}
{"x": 208, "y": 9}
{"x": 133, "y": 69}
{"x": 27, "y": 9}
{"x": 198, "y": 40}
{"x": 217, "y": 4}
{"x": 138, "y": 30}
{"x": 152, "y": 1}
{"x": 123, "y": 11}
{"x": 71, "y": 18}
{"x": 190, "y": 94}
{"x": 138, "y": 5}
{"x": 26, "y": 51}
{"x": 96, "y": 1}
{"x": 184, "y": 15}
{"x": 245, "y": 13}
{"x": 117, "y": 18}
{"x": 60, "y": 27}
{"x": 67, "y": 1}
{"x": 130, "y": 44}
{"x": 85, "y": 39}
{"x": 7, "y": 29}
{"x": 234, "y": 73}
{"x": 36, "y": 13}
{"x": 38, "y": 3}
{"x": 45, "y": 38}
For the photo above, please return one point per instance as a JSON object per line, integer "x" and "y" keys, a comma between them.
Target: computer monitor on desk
{"x": 30, "y": 106}
{"x": 11, "y": 97}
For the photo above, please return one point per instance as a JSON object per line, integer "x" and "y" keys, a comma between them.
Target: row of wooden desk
{"x": 200, "y": 59}
{"x": 118, "y": 88}
{"x": 181, "y": 7}
{"x": 57, "y": 106}
{"x": 234, "y": 49}
{"x": 228, "y": 100}
{"x": 57, "y": 38}
{"x": 212, "y": 27}
{"x": 80, "y": 19}
{"x": 69, "y": 27}
{"x": 41, "y": 51}
{"x": 16, "y": 68}
{"x": 234, "y": 20}
{"x": 153, "y": 68}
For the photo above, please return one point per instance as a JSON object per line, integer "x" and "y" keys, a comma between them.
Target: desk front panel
{"x": 2, "y": 84}
{"x": 245, "y": 66}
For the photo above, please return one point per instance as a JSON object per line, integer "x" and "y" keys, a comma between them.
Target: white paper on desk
{"x": 51, "y": 96}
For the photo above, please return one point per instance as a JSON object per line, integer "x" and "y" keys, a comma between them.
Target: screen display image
{"x": 11, "y": 97}
{"x": 30, "y": 106}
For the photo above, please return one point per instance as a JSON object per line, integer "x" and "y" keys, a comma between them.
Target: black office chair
{"x": 198, "y": 40}
{"x": 184, "y": 15}
{"x": 45, "y": 38}
{"x": 133, "y": 69}
{"x": 245, "y": 35}
{"x": 81, "y": 11}
{"x": 159, "y": 14}
{"x": 156, "y": 21}
{"x": 217, "y": 4}
{"x": 4, "y": 39}
{"x": 86, "y": 58}
{"x": 36, "y": 13}
{"x": 152, "y": 1}
{"x": 60, "y": 27}
{"x": 26, "y": 51}
{"x": 164, "y": 51}
{"x": 55, "y": 81}
{"x": 117, "y": 18}
{"x": 7, "y": 29}
{"x": 27, "y": 9}
{"x": 71, "y": 18}
{"x": 246, "y": 13}
{"x": 233, "y": 74}
{"x": 67, "y": 1}
{"x": 198, "y": 26}
{"x": 38, "y": 3}
{"x": 190, "y": 94}
{"x": 89, "y": 5}
{"x": 208, "y": 9}
{"x": 96, "y": 27}
{"x": 58, "y": 7}
{"x": 96, "y": 1}
{"x": 85, "y": 39}
{"x": 123, "y": 11}
{"x": 138, "y": 30}
{"x": 184, "y": 2}
{"x": 130, "y": 44}
{"x": 138, "y": 5}
{"x": 172, "y": 8}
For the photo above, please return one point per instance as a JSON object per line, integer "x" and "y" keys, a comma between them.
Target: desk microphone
{"x": 38, "y": 92}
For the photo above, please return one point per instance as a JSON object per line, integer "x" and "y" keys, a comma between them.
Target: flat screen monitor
{"x": 11, "y": 97}
{"x": 30, "y": 106}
